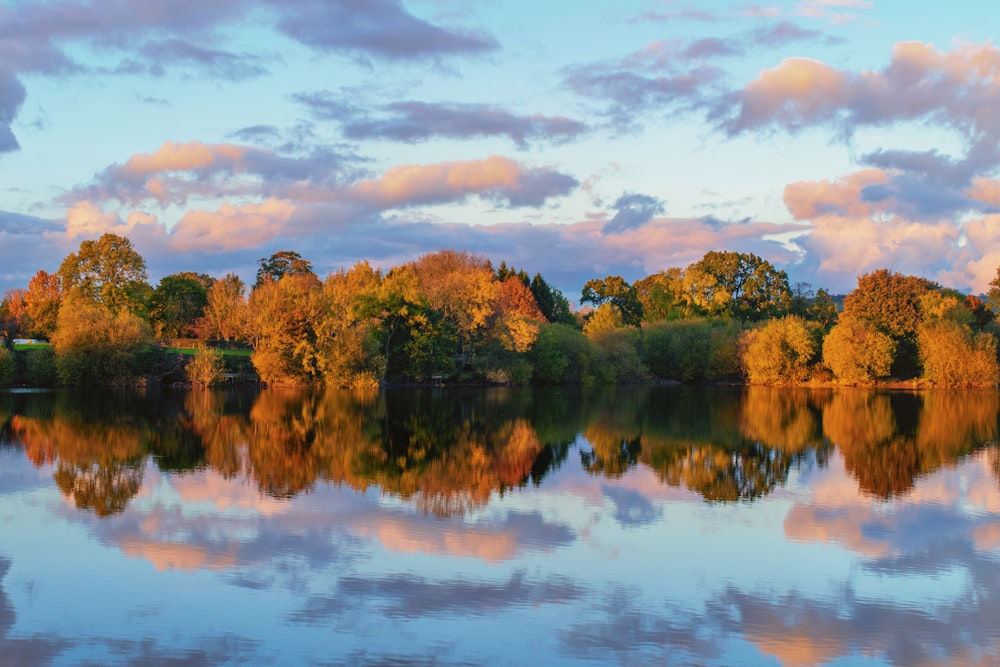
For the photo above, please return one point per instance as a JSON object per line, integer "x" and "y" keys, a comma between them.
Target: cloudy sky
{"x": 578, "y": 139}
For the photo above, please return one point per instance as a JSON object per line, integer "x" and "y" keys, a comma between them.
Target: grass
{"x": 31, "y": 346}
{"x": 226, "y": 353}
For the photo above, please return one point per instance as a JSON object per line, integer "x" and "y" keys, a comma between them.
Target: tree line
{"x": 451, "y": 316}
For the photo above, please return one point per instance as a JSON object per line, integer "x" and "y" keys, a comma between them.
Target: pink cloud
{"x": 231, "y": 227}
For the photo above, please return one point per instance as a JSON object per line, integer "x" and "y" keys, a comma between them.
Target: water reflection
{"x": 449, "y": 452}
{"x": 430, "y": 527}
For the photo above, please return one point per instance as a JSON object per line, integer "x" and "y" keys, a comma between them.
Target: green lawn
{"x": 32, "y": 346}
{"x": 226, "y": 353}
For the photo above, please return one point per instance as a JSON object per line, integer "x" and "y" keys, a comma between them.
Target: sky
{"x": 574, "y": 139}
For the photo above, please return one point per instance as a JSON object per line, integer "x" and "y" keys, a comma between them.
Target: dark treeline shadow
{"x": 450, "y": 451}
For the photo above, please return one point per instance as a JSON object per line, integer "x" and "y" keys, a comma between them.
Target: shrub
{"x": 779, "y": 352}
{"x": 40, "y": 367}
{"x": 955, "y": 356}
{"x": 619, "y": 355}
{"x": 564, "y": 355}
{"x": 857, "y": 352}
{"x": 692, "y": 350}
{"x": 205, "y": 367}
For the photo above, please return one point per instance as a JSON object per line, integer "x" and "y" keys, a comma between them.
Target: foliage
{"x": 616, "y": 293}
{"x": 619, "y": 355}
{"x": 177, "y": 303}
{"x": 692, "y": 350}
{"x": 551, "y": 302}
{"x": 205, "y": 367}
{"x": 96, "y": 346}
{"x": 779, "y": 352}
{"x": 108, "y": 272}
{"x": 7, "y": 366}
{"x": 225, "y": 311}
{"x": 663, "y": 297}
{"x": 737, "y": 285}
{"x": 41, "y": 303}
{"x": 953, "y": 355}
{"x": 39, "y": 367}
{"x": 280, "y": 264}
{"x": 564, "y": 355}
{"x": 281, "y": 319}
{"x": 857, "y": 352}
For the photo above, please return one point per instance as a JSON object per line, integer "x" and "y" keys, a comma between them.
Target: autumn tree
{"x": 891, "y": 302}
{"x": 662, "y": 296}
{"x": 858, "y": 352}
{"x": 42, "y": 301}
{"x": 348, "y": 333}
{"x": 618, "y": 294}
{"x": 779, "y": 352}
{"x": 283, "y": 263}
{"x": 953, "y": 355}
{"x": 108, "y": 272}
{"x": 281, "y": 318}
{"x": 737, "y": 284}
{"x": 225, "y": 313}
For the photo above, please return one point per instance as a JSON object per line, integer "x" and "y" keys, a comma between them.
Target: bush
{"x": 857, "y": 352}
{"x": 205, "y": 367}
{"x": 692, "y": 350}
{"x": 619, "y": 355}
{"x": 779, "y": 352}
{"x": 955, "y": 356}
{"x": 40, "y": 367}
{"x": 564, "y": 355}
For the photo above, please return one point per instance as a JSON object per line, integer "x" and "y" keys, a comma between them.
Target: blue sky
{"x": 832, "y": 137}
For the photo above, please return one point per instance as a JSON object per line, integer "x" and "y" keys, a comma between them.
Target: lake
{"x": 632, "y": 526}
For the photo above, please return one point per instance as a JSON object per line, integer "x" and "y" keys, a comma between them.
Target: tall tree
{"x": 738, "y": 284}
{"x": 283, "y": 263}
{"x": 617, "y": 292}
{"x": 225, "y": 310}
{"x": 551, "y": 301}
{"x": 176, "y": 304}
{"x": 42, "y": 302}
{"x": 108, "y": 272}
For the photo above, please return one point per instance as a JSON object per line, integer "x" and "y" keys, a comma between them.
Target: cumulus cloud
{"x": 633, "y": 210}
{"x": 413, "y": 121}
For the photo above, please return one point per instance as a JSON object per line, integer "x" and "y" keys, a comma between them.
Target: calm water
{"x": 449, "y": 527}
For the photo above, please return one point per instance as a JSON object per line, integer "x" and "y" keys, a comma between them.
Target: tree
{"x": 177, "y": 303}
{"x": 891, "y": 302}
{"x": 617, "y": 292}
{"x": 42, "y": 301}
{"x": 738, "y": 284}
{"x": 108, "y": 272}
{"x": 662, "y": 296}
{"x": 857, "y": 352}
{"x": 953, "y": 355}
{"x": 281, "y": 319}
{"x": 552, "y": 303}
{"x": 283, "y": 263}
{"x": 225, "y": 311}
{"x": 779, "y": 352}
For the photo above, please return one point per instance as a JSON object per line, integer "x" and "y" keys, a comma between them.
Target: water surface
{"x": 503, "y": 527}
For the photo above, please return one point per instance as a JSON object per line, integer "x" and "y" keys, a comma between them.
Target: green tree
{"x": 283, "y": 263}
{"x": 551, "y": 301}
{"x": 738, "y": 284}
{"x": 662, "y": 296}
{"x": 108, "y": 272}
{"x": 176, "y": 304}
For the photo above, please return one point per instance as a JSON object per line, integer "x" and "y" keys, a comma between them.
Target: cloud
{"x": 633, "y": 211}
{"x": 231, "y": 227}
{"x": 834, "y": 11}
{"x": 11, "y": 98}
{"x": 413, "y": 122}
{"x": 376, "y": 28}
{"x": 496, "y": 177}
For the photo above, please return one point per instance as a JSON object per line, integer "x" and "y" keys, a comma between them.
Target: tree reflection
{"x": 888, "y": 440}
